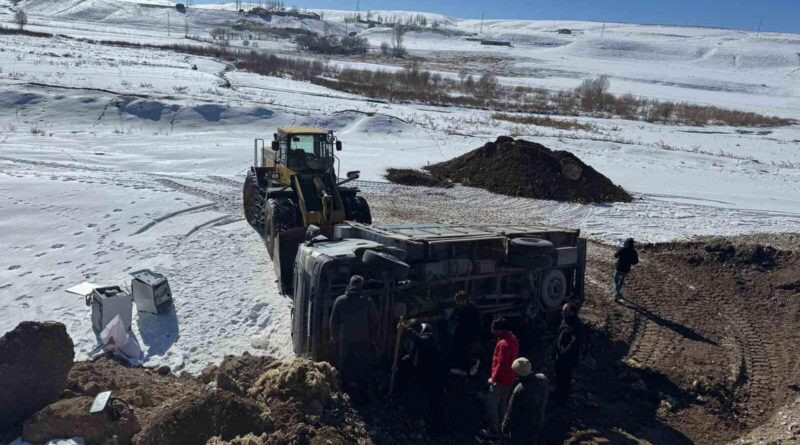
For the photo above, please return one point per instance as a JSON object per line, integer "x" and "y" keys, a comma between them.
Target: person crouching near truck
{"x": 627, "y": 257}
{"x": 506, "y": 350}
{"x": 466, "y": 318}
{"x": 423, "y": 361}
{"x": 354, "y": 325}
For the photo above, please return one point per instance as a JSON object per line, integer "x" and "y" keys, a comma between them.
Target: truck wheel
{"x": 385, "y": 262}
{"x": 554, "y": 289}
{"x": 531, "y": 252}
{"x": 280, "y": 216}
{"x": 536, "y": 262}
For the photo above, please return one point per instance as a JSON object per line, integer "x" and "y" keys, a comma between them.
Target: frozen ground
{"x": 114, "y": 159}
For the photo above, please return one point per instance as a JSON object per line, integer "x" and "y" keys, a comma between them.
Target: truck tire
{"x": 536, "y": 262}
{"x": 531, "y": 252}
{"x": 252, "y": 202}
{"x": 385, "y": 262}
{"x": 554, "y": 289}
{"x": 280, "y": 215}
{"x": 356, "y": 209}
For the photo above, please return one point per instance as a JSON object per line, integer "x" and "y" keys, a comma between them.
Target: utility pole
{"x": 602, "y": 33}
{"x": 758, "y": 33}
{"x": 167, "y": 22}
{"x": 482, "y": 14}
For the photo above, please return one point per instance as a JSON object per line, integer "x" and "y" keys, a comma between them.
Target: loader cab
{"x": 305, "y": 149}
{"x": 322, "y": 272}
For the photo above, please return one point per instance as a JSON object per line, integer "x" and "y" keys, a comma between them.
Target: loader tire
{"x": 356, "y": 209}
{"x": 385, "y": 262}
{"x": 531, "y": 252}
{"x": 252, "y": 201}
{"x": 280, "y": 215}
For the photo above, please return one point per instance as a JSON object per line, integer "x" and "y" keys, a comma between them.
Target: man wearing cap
{"x": 502, "y": 378}
{"x": 526, "y": 407}
{"x": 354, "y": 320}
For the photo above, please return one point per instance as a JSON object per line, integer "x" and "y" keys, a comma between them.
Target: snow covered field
{"x": 115, "y": 159}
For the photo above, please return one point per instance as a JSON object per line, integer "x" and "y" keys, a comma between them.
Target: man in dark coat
{"x": 526, "y": 407}
{"x": 467, "y": 320}
{"x": 626, "y": 256}
{"x": 423, "y": 360}
{"x": 567, "y": 350}
{"x": 354, "y": 323}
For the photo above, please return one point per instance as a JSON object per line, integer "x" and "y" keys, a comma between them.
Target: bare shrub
{"x": 544, "y": 121}
{"x": 593, "y": 93}
{"x": 20, "y": 18}
{"x": 385, "y": 49}
{"x": 397, "y": 41}
{"x": 219, "y": 33}
{"x": 487, "y": 86}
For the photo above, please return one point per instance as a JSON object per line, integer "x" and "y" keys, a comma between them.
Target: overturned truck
{"x": 413, "y": 271}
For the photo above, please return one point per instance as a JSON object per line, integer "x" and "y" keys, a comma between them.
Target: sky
{"x": 774, "y": 15}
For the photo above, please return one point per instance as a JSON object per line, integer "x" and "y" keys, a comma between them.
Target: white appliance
{"x": 107, "y": 302}
{"x": 151, "y": 291}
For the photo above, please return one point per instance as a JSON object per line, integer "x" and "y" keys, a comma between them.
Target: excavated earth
{"x": 519, "y": 168}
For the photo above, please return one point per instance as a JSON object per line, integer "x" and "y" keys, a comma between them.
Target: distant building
{"x": 495, "y": 42}
{"x": 565, "y": 31}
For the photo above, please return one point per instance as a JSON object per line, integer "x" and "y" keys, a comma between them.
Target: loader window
{"x": 305, "y": 142}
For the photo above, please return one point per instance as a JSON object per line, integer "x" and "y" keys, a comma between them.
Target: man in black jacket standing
{"x": 467, "y": 320}
{"x": 568, "y": 348}
{"x": 626, "y": 256}
{"x": 354, "y": 322}
{"x": 425, "y": 360}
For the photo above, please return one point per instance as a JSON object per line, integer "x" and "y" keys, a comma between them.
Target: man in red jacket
{"x": 506, "y": 350}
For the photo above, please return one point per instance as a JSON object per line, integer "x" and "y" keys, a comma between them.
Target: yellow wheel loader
{"x": 294, "y": 184}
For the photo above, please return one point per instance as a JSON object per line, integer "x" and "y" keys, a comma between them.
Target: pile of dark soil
{"x": 522, "y": 168}
{"x": 414, "y": 178}
{"x": 746, "y": 254}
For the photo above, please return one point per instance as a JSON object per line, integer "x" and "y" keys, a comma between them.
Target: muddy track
{"x": 709, "y": 322}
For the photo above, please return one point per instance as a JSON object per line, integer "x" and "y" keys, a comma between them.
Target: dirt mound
{"x": 764, "y": 257}
{"x": 305, "y": 397}
{"x": 414, "y": 178}
{"x": 528, "y": 169}
{"x": 34, "y": 361}
{"x": 238, "y": 374}
{"x": 71, "y": 418}
{"x": 198, "y": 417}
